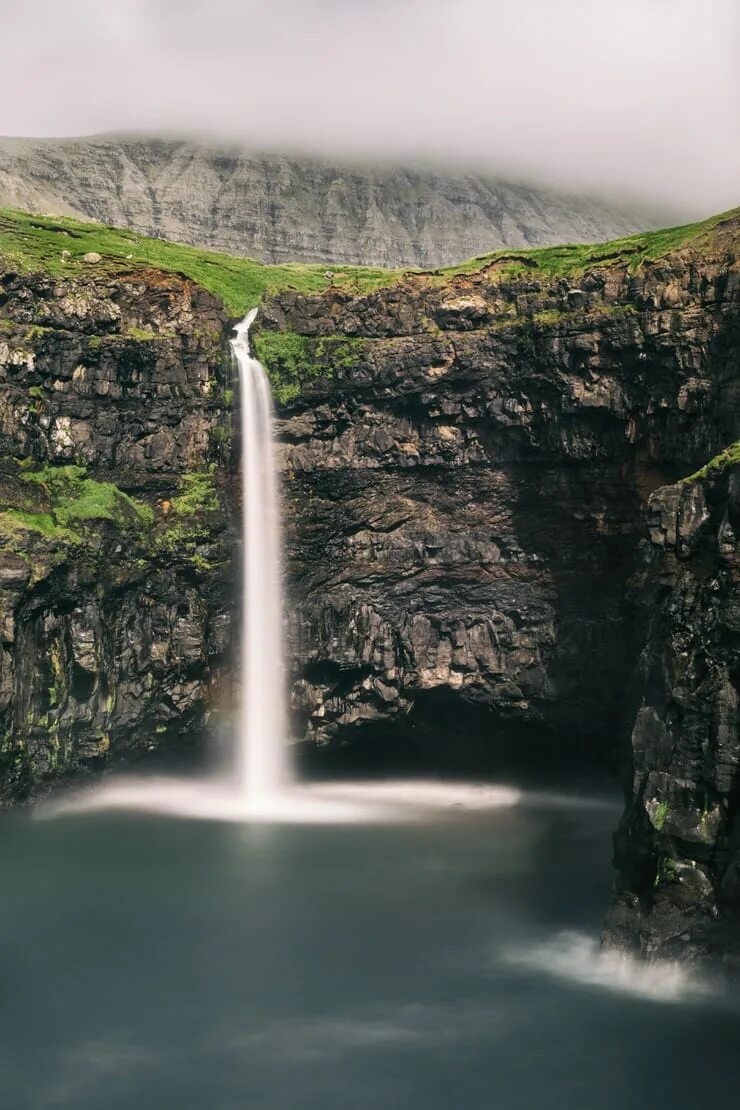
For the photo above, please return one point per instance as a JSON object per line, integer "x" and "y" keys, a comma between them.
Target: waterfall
{"x": 263, "y": 768}
{"x": 259, "y": 784}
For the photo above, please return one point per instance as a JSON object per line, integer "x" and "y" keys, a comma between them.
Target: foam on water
{"x": 321, "y": 803}
{"x": 579, "y": 958}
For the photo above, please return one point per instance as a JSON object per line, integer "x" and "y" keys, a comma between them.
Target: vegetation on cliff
{"x": 65, "y": 509}
{"x": 58, "y": 245}
{"x": 572, "y": 259}
{"x": 64, "y": 502}
{"x": 293, "y": 360}
{"x": 728, "y": 457}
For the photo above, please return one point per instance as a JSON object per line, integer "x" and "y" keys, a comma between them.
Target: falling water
{"x": 262, "y": 760}
{"x": 259, "y": 784}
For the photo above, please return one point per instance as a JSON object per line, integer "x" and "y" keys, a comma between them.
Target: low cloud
{"x": 635, "y": 97}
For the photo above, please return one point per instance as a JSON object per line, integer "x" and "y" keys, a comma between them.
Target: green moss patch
{"x": 63, "y": 504}
{"x": 187, "y": 529}
{"x": 197, "y": 494}
{"x": 293, "y": 360}
{"x": 15, "y": 522}
{"x": 728, "y": 457}
{"x": 76, "y": 498}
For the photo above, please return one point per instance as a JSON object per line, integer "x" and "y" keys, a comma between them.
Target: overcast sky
{"x": 640, "y": 96}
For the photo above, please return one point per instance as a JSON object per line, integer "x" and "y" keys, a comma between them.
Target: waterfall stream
{"x": 263, "y": 769}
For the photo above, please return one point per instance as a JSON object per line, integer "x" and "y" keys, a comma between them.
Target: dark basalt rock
{"x": 678, "y": 846}
{"x": 469, "y": 463}
{"x": 466, "y": 502}
{"x": 465, "y": 494}
{"x": 113, "y": 628}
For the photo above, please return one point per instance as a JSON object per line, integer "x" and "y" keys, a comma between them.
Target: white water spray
{"x": 263, "y": 768}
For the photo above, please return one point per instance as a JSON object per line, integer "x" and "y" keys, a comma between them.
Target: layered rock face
{"x": 678, "y": 846}
{"x": 114, "y": 593}
{"x": 466, "y": 468}
{"x": 287, "y": 209}
{"x": 469, "y": 462}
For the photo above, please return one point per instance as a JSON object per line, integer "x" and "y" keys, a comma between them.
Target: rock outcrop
{"x": 291, "y": 209}
{"x": 677, "y": 892}
{"x": 467, "y": 463}
{"x": 470, "y": 465}
{"x": 114, "y": 594}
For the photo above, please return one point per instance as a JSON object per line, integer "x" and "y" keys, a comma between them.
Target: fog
{"x": 634, "y": 97}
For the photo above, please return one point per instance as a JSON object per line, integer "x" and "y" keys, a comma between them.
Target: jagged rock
{"x": 678, "y": 846}
{"x": 464, "y": 507}
{"x": 466, "y": 514}
{"x": 110, "y": 635}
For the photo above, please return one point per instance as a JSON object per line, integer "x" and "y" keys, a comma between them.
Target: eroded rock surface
{"x": 467, "y": 466}
{"x": 114, "y": 543}
{"x": 291, "y": 209}
{"x": 678, "y": 847}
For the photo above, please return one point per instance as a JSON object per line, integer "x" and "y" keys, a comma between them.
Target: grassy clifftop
{"x": 30, "y": 243}
{"x": 571, "y": 259}
{"x": 58, "y": 245}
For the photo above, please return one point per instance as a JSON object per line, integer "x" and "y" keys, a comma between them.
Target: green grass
{"x": 293, "y": 360}
{"x": 18, "y": 520}
{"x": 197, "y": 493}
{"x": 185, "y": 527}
{"x": 729, "y": 457}
{"x": 660, "y": 816}
{"x": 29, "y": 243}
{"x": 75, "y": 499}
{"x": 573, "y": 259}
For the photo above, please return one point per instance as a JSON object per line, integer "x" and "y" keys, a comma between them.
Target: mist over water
{"x": 153, "y": 962}
{"x": 579, "y": 958}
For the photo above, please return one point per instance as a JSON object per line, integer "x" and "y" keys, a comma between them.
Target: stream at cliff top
{"x": 153, "y": 962}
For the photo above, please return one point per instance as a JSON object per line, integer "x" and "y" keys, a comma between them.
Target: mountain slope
{"x": 278, "y": 208}
{"x": 61, "y": 247}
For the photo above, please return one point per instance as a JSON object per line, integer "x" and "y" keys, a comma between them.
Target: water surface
{"x": 155, "y": 962}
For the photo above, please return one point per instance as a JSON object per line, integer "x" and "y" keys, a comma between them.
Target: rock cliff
{"x": 113, "y": 537}
{"x": 678, "y": 847}
{"x": 471, "y": 462}
{"x": 488, "y": 542}
{"x": 467, "y": 461}
{"x": 279, "y": 208}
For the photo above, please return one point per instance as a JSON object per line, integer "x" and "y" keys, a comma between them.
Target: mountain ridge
{"x": 293, "y": 208}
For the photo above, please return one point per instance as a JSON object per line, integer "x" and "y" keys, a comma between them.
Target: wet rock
{"x": 465, "y": 498}
{"x": 112, "y": 631}
{"x": 676, "y": 852}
